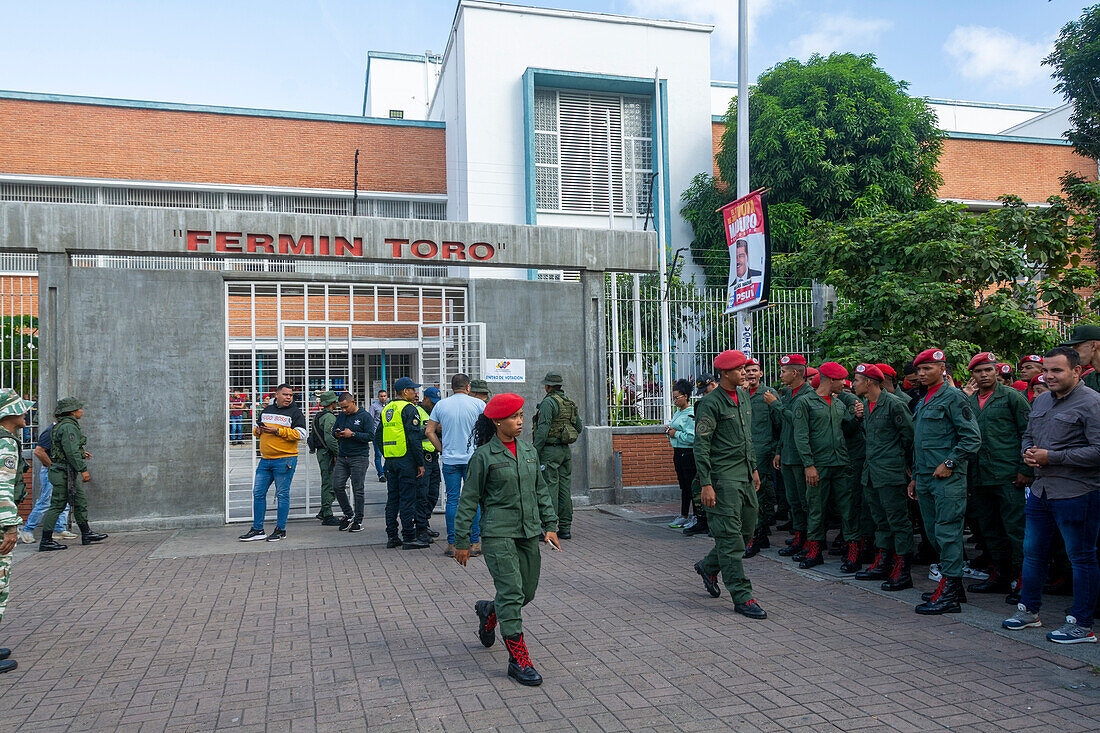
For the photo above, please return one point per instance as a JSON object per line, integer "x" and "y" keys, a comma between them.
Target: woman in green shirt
{"x": 504, "y": 480}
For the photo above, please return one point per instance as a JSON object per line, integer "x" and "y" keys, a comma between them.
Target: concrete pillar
{"x": 595, "y": 348}
{"x": 55, "y": 354}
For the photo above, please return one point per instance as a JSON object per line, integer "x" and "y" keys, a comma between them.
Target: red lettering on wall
{"x": 324, "y": 246}
{"x": 341, "y": 246}
{"x": 227, "y": 242}
{"x": 482, "y": 251}
{"x": 263, "y": 242}
{"x": 397, "y": 245}
{"x": 458, "y": 249}
{"x": 195, "y": 238}
{"x": 287, "y": 245}
{"x": 425, "y": 254}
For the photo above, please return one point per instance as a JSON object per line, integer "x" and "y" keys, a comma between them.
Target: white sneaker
{"x": 934, "y": 572}
{"x": 26, "y": 537}
{"x": 67, "y": 535}
{"x": 678, "y": 522}
{"x": 691, "y": 523}
{"x": 974, "y": 574}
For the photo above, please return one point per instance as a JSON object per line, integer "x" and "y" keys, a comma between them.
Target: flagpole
{"x": 743, "y": 323}
{"x": 662, "y": 251}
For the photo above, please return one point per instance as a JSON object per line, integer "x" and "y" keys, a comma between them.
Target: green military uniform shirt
{"x": 67, "y": 444}
{"x": 944, "y": 429}
{"x": 724, "y": 454}
{"x": 788, "y": 453}
{"x": 854, "y": 440}
{"x": 326, "y": 420}
{"x": 545, "y": 413}
{"x": 12, "y": 486}
{"x": 510, "y": 490}
{"x": 1092, "y": 380}
{"x": 1002, "y": 422}
{"x": 766, "y": 423}
{"x": 818, "y": 431}
{"x": 888, "y": 434}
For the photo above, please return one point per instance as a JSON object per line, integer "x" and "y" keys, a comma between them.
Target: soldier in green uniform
{"x": 728, "y": 480}
{"x": 853, "y": 475}
{"x": 323, "y": 423}
{"x": 68, "y": 458}
{"x": 818, "y": 426}
{"x": 557, "y": 427}
{"x": 504, "y": 480}
{"x": 766, "y": 422}
{"x": 888, "y": 431}
{"x": 13, "y": 411}
{"x": 479, "y": 388}
{"x": 1085, "y": 340}
{"x": 945, "y": 438}
{"x": 998, "y": 476}
{"x": 792, "y": 372}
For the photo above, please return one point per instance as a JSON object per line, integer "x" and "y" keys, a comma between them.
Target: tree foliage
{"x": 828, "y": 137}
{"x": 910, "y": 280}
{"x": 1076, "y": 63}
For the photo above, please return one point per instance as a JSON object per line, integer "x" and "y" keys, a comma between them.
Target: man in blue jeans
{"x": 280, "y": 426}
{"x": 1062, "y": 444}
{"x": 449, "y": 429}
{"x": 45, "y": 493}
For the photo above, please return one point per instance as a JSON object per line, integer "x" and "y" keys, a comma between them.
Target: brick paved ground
{"x": 286, "y": 638}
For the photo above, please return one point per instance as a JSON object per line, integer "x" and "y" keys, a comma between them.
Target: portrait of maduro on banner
{"x": 745, "y": 222}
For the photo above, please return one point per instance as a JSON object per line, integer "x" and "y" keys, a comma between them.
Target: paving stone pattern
{"x": 363, "y": 638}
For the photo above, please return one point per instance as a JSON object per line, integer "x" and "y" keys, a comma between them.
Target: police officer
{"x": 728, "y": 481}
{"x": 13, "y": 489}
{"x": 428, "y": 484}
{"x": 888, "y": 431}
{"x": 323, "y": 423}
{"x": 792, "y": 372}
{"x": 998, "y": 475}
{"x": 945, "y": 438}
{"x": 818, "y": 427}
{"x": 68, "y": 458}
{"x": 401, "y": 435}
{"x": 766, "y": 421}
{"x": 557, "y": 426}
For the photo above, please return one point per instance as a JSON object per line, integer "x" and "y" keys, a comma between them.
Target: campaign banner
{"x": 505, "y": 370}
{"x": 745, "y": 222}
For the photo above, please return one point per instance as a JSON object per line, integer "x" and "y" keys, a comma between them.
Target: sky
{"x": 311, "y": 55}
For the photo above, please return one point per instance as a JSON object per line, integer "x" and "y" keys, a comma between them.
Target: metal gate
{"x": 449, "y": 349}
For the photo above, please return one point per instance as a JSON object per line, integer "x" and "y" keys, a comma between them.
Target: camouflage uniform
{"x": 12, "y": 487}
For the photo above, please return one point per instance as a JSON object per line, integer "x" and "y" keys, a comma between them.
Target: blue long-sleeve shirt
{"x": 362, "y": 427}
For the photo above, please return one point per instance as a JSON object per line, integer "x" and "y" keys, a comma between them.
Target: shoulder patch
{"x": 704, "y": 426}
{"x": 9, "y": 462}
{"x": 967, "y": 412}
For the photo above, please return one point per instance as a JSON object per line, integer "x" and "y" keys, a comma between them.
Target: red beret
{"x": 1031, "y": 358}
{"x": 1004, "y": 368}
{"x": 870, "y": 370}
{"x": 503, "y": 405}
{"x": 793, "y": 359}
{"x": 811, "y": 372}
{"x": 815, "y": 382}
{"x": 887, "y": 370}
{"x": 848, "y": 383}
{"x": 730, "y": 359}
{"x": 982, "y": 357}
{"x": 1020, "y": 385}
{"x": 751, "y": 362}
{"x": 1037, "y": 378}
{"x": 832, "y": 370}
{"x": 929, "y": 355}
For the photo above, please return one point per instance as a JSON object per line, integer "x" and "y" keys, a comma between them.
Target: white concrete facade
{"x": 398, "y": 82}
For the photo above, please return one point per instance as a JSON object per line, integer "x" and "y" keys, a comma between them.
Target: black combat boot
{"x": 48, "y": 543}
{"x": 813, "y": 555}
{"x": 851, "y": 562}
{"x": 879, "y": 568}
{"x": 795, "y": 546}
{"x": 839, "y": 546}
{"x": 486, "y": 622}
{"x": 945, "y": 599}
{"x": 995, "y": 583}
{"x": 87, "y": 536}
{"x": 393, "y": 542}
{"x": 927, "y": 595}
{"x": 901, "y": 576}
{"x": 519, "y": 663}
{"x": 423, "y": 536}
{"x": 710, "y": 582}
{"x": 758, "y": 542}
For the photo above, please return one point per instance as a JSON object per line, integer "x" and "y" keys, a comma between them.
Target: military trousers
{"x": 514, "y": 564}
{"x": 68, "y": 488}
{"x": 731, "y": 533}
{"x": 325, "y": 461}
{"x": 401, "y": 493}
{"x": 794, "y": 480}
{"x": 999, "y": 511}
{"x": 943, "y": 509}
{"x": 765, "y": 498}
{"x": 781, "y": 503}
{"x": 833, "y": 487}
{"x": 861, "y": 513}
{"x": 5, "y": 580}
{"x": 557, "y": 472}
{"x": 889, "y": 507}
{"x": 428, "y": 489}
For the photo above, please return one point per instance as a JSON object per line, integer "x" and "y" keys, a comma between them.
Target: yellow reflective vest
{"x": 426, "y": 444}
{"x": 394, "y": 444}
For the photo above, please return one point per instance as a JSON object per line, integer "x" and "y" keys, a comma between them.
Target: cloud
{"x": 722, "y": 14}
{"x": 839, "y": 33}
{"x": 996, "y": 56}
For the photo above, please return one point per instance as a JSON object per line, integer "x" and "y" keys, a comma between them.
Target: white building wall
{"x": 988, "y": 119}
{"x": 721, "y": 94}
{"x": 405, "y": 84}
{"x": 1052, "y": 125}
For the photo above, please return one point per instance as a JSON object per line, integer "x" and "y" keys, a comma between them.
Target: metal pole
{"x": 744, "y": 325}
{"x": 662, "y": 258}
{"x": 355, "y": 187}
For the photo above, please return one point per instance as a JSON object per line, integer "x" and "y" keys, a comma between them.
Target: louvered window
{"x": 592, "y": 152}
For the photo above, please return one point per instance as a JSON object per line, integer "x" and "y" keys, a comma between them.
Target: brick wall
{"x": 89, "y": 141}
{"x": 647, "y": 459}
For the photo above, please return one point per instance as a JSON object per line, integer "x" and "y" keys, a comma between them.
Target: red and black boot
{"x": 519, "y": 663}
{"x": 945, "y": 599}
{"x": 997, "y": 582}
{"x": 851, "y": 562}
{"x": 900, "y": 576}
{"x": 795, "y": 546}
{"x": 486, "y": 622}
{"x": 879, "y": 567}
{"x": 814, "y": 555}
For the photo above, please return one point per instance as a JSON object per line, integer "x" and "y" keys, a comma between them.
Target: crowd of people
{"x": 883, "y": 460}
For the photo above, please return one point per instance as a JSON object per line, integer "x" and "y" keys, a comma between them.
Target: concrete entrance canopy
{"x": 48, "y": 228}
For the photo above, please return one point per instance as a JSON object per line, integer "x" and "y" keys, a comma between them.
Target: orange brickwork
{"x": 647, "y": 459}
{"x": 134, "y": 143}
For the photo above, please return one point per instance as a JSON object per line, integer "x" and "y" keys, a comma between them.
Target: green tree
{"x": 825, "y": 136}
{"x": 19, "y": 354}
{"x": 1076, "y": 63}
{"x": 942, "y": 276}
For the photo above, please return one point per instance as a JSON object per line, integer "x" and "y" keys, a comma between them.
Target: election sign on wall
{"x": 505, "y": 370}
{"x": 745, "y": 222}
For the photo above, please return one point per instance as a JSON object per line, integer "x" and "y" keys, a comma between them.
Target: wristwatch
{"x": 949, "y": 464}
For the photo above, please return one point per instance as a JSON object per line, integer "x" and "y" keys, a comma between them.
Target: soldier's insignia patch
{"x": 967, "y": 412}
{"x": 705, "y": 427}
{"x": 416, "y": 421}
{"x": 9, "y": 462}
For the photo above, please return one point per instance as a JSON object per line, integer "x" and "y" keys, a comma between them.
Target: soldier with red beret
{"x": 1030, "y": 366}
{"x": 792, "y": 372}
{"x": 1004, "y": 373}
{"x": 889, "y": 377}
{"x": 765, "y": 427}
{"x": 728, "y": 482}
{"x": 945, "y": 438}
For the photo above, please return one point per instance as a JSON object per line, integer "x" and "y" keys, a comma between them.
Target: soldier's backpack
{"x": 562, "y": 428}
{"x": 315, "y": 442}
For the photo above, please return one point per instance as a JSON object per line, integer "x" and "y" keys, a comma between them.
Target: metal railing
{"x": 231, "y": 264}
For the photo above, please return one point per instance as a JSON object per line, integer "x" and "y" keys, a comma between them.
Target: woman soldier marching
{"x": 503, "y": 478}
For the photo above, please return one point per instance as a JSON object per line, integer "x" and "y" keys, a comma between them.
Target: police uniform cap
{"x": 832, "y": 370}
{"x": 503, "y": 405}
{"x": 929, "y": 356}
{"x": 66, "y": 405}
{"x": 730, "y": 359}
{"x": 870, "y": 371}
{"x": 403, "y": 384}
{"x": 982, "y": 357}
{"x": 433, "y": 394}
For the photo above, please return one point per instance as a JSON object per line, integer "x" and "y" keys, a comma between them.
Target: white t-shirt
{"x": 456, "y": 416}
